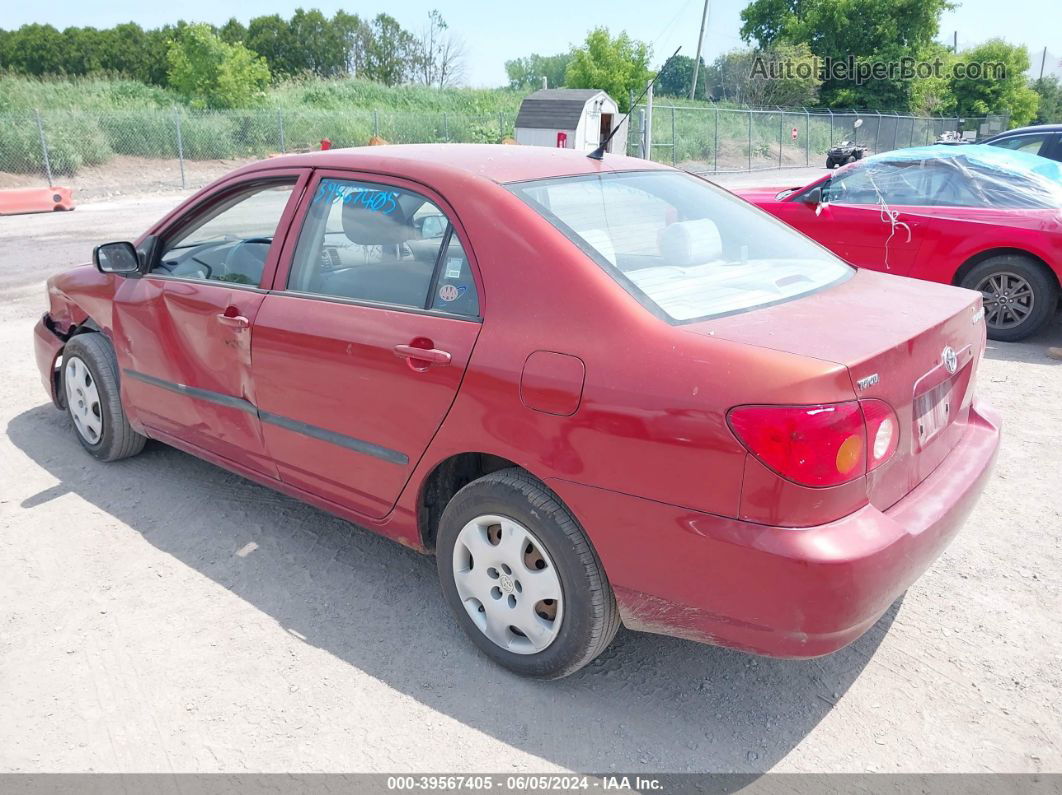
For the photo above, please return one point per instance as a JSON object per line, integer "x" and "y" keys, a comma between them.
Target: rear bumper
{"x": 47, "y": 346}
{"x": 781, "y": 592}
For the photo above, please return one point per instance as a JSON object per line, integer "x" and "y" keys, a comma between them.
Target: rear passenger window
{"x": 381, "y": 244}
{"x": 455, "y": 291}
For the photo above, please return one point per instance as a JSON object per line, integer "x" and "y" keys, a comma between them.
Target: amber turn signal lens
{"x": 849, "y": 454}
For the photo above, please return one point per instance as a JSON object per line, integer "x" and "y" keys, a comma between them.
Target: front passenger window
{"x": 231, "y": 241}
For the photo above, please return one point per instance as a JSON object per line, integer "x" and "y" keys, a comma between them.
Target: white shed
{"x": 570, "y": 118}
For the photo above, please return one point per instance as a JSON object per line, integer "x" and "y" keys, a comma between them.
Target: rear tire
{"x": 830, "y": 163}
{"x": 93, "y": 399}
{"x": 491, "y": 592}
{"x": 1020, "y": 296}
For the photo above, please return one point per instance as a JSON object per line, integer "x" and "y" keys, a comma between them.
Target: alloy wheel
{"x": 1008, "y": 299}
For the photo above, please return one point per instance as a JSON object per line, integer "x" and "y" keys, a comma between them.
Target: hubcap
{"x": 508, "y": 584}
{"x": 1008, "y": 299}
{"x": 83, "y": 399}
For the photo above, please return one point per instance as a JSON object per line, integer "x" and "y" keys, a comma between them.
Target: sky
{"x": 497, "y": 31}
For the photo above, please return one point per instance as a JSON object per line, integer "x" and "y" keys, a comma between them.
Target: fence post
{"x": 280, "y": 127}
{"x": 180, "y": 143}
{"x": 44, "y": 148}
{"x": 807, "y": 136}
{"x": 781, "y": 134}
{"x": 501, "y": 126}
{"x": 649, "y": 123}
{"x": 376, "y": 124}
{"x": 831, "y": 125}
{"x": 749, "y": 112}
{"x": 641, "y": 133}
{"x": 910, "y": 141}
{"x": 674, "y": 142}
{"x": 446, "y": 128}
{"x": 716, "y": 148}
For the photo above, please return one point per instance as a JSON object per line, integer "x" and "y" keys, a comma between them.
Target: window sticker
{"x": 453, "y": 267}
{"x": 379, "y": 200}
{"x": 451, "y": 292}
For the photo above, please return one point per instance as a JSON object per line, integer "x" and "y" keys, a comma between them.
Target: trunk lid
{"x": 892, "y": 334}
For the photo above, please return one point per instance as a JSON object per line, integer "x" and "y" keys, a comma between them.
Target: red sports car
{"x": 599, "y": 391}
{"x": 975, "y": 216}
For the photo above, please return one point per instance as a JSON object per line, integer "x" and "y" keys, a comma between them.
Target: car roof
{"x": 496, "y": 162}
{"x": 1035, "y": 128}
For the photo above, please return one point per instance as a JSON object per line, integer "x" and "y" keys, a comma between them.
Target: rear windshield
{"x": 683, "y": 247}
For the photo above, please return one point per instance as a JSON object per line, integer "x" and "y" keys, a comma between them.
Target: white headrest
{"x": 602, "y": 242}
{"x": 691, "y": 243}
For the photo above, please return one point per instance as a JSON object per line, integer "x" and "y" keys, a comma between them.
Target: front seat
{"x": 391, "y": 279}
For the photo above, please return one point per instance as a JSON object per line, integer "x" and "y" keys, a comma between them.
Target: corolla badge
{"x": 949, "y": 359}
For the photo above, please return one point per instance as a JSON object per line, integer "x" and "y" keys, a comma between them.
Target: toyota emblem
{"x": 949, "y": 359}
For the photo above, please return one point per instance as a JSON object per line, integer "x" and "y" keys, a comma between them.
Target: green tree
{"x": 210, "y": 73}
{"x": 321, "y": 49}
{"x": 1050, "y": 108}
{"x": 270, "y": 37}
{"x": 351, "y": 31}
{"x": 36, "y": 50}
{"x": 884, "y": 30}
{"x": 674, "y": 79}
{"x": 991, "y": 93}
{"x": 784, "y": 75}
{"x": 614, "y": 65}
{"x": 233, "y": 32}
{"x": 527, "y": 73}
{"x": 390, "y": 51}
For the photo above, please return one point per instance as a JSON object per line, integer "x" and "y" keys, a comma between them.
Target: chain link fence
{"x": 115, "y": 152}
{"x": 137, "y": 151}
{"x": 720, "y": 139}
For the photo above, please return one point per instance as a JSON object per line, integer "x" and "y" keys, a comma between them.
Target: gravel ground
{"x": 162, "y": 615}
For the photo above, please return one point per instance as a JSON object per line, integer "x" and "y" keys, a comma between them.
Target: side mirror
{"x": 815, "y": 196}
{"x": 116, "y": 258}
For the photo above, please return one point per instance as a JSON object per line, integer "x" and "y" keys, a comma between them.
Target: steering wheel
{"x": 231, "y": 256}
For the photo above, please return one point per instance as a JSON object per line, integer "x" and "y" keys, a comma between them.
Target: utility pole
{"x": 955, "y": 44}
{"x": 1042, "y": 62}
{"x": 697, "y": 55}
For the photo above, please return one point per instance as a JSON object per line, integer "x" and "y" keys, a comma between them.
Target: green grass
{"x": 89, "y": 121}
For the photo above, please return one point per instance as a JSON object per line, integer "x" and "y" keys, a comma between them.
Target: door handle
{"x": 238, "y": 321}
{"x": 433, "y": 355}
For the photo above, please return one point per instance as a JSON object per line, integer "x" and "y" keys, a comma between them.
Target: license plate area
{"x": 933, "y": 411}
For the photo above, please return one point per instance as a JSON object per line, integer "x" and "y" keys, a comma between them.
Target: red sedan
{"x": 974, "y": 216}
{"x": 599, "y": 391}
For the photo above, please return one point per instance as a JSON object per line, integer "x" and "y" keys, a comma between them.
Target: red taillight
{"x": 821, "y": 445}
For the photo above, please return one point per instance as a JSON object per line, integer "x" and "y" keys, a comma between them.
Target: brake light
{"x": 821, "y": 445}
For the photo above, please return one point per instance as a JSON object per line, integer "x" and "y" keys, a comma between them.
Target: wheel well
{"x": 977, "y": 259}
{"x": 449, "y": 477}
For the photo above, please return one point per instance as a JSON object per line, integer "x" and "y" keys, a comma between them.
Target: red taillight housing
{"x": 821, "y": 445}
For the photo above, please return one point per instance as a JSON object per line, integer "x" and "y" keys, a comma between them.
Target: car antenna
{"x": 599, "y": 153}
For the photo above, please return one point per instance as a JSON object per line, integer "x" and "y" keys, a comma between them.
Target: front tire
{"x": 1019, "y": 295}
{"x": 93, "y": 400}
{"x": 522, "y": 578}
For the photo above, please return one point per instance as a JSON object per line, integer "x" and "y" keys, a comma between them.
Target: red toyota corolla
{"x": 598, "y": 391}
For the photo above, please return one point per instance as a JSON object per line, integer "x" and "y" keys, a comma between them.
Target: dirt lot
{"x": 162, "y": 615}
